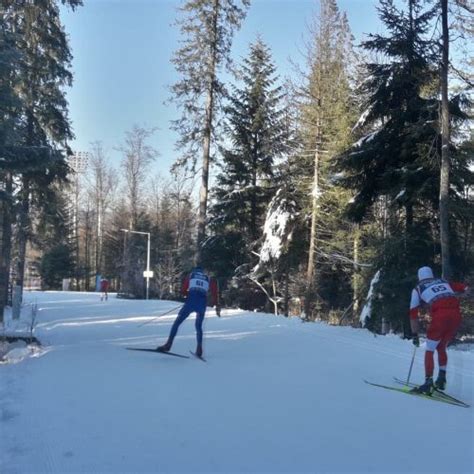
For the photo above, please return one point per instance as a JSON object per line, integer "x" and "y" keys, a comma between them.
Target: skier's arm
{"x": 414, "y": 325}
{"x": 459, "y": 288}
{"x": 415, "y": 303}
{"x": 185, "y": 287}
{"x": 214, "y": 287}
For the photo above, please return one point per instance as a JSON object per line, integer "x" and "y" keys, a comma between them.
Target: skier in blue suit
{"x": 196, "y": 287}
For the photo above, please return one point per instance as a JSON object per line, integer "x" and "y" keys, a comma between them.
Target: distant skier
{"x": 439, "y": 297}
{"x": 104, "y": 289}
{"x": 196, "y": 287}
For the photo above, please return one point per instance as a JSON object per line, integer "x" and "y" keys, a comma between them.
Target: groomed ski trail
{"x": 279, "y": 395}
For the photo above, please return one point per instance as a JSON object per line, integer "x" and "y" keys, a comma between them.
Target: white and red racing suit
{"x": 439, "y": 296}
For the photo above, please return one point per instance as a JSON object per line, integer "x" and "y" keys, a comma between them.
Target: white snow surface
{"x": 276, "y": 395}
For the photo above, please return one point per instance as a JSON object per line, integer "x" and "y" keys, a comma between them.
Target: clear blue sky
{"x": 122, "y": 51}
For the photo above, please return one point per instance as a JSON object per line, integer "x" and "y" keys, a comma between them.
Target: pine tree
{"x": 207, "y": 27}
{"x": 395, "y": 165}
{"x": 398, "y": 114}
{"x": 52, "y": 236}
{"x": 245, "y": 185}
{"x": 10, "y": 58}
{"x": 43, "y": 126}
{"x": 326, "y": 116}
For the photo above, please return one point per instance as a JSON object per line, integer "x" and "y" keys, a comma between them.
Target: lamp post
{"x": 147, "y": 273}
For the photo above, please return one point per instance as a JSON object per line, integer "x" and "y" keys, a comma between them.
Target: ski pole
{"x": 162, "y": 314}
{"x": 411, "y": 365}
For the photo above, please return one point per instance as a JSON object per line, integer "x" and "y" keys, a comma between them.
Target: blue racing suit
{"x": 197, "y": 285}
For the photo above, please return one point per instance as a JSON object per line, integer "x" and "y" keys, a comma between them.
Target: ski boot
{"x": 426, "y": 389}
{"x": 164, "y": 348}
{"x": 440, "y": 383}
{"x": 198, "y": 351}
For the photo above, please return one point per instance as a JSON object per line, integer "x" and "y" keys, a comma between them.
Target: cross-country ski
{"x": 438, "y": 393}
{"x": 409, "y": 391}
{"x": 198, "y": 356}
{"x": 157, "y": 352}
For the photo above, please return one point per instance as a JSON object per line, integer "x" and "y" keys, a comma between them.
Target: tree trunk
{"x": 24, "y": 213}
{"x": 201, "y": 223}
{"x": 23, "y": 233}
{"x": 87, "y": 248}
{"x": 3, "y": 266}
{"x": 201, "y": 231}
{"x": 287, "y": 294}
{"x": 99, "y": 241}
{"x": 445, "y": 161}
{"x": 356, "y": 274}
{"x": 253, "y": 204}
{"x": 310, "y": 273}
{"x": 6, "y": 240}
{"x": 409, "y": 218}
{"x": 312, "y": 237}
{"x": 274, "y": 299}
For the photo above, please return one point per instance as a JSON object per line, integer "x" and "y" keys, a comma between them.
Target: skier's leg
{"x": 429, "y": 363}
{"x": 427, "y": 386}
{"x": 442, "y": 354}
{"x": 452, "y": 323}
{"x": 434, "y": 335}
{"x": 182, "y": 315}
{"x": 199, "y": 320}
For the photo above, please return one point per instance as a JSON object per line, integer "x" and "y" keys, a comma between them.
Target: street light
{"x": 147, "y": 273}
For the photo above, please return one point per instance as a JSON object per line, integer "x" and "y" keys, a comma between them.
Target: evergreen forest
{"x": 316, "y": 195}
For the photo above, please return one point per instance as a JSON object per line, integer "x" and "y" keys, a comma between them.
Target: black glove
{"x": 416, "y": 340}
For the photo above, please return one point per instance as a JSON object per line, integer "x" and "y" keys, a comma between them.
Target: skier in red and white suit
{"x": 439, "y": 297}
{"x": 104, "y": 288}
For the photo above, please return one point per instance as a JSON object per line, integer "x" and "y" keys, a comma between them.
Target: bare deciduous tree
{"x": 102, "y": 181}
{"x": 137, "y": 158}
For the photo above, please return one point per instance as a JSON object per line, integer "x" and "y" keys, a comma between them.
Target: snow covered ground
{"x": 276, "y": 395}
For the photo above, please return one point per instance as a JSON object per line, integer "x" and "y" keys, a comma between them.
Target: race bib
{"x": 434, "y": 290}
{"x": 199, "y": 282}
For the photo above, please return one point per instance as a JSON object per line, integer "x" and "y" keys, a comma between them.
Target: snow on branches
{"x": 277, "y": 230}
{"x": 367, "y": 309}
